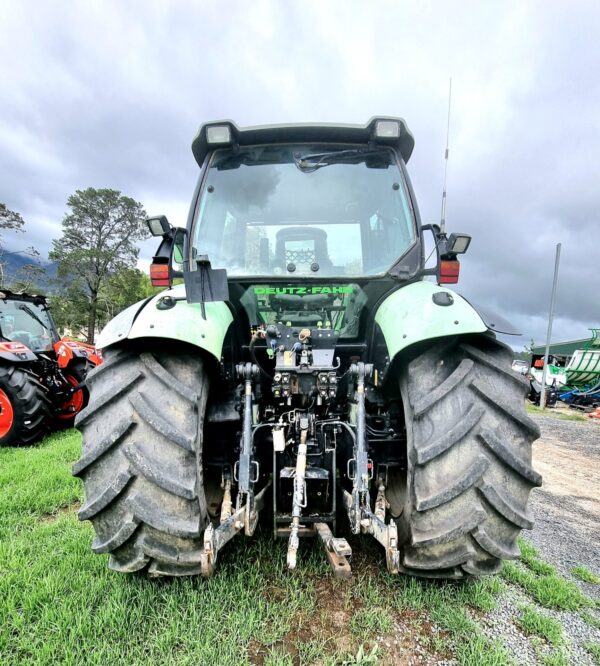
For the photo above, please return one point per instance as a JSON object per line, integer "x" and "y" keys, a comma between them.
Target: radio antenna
{"x": 443, "y": 215}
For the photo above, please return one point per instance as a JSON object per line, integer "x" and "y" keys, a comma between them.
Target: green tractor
{"x": 306, "y": 365}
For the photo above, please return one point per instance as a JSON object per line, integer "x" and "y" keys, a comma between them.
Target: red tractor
{"x": 41, "y": 375}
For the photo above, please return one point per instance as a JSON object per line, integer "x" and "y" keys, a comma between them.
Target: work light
{"x": 218, "y": 134}
{"x": 458, "y": 243}
{"x": 159, "y": 225}
{"x": 387, "y": 129}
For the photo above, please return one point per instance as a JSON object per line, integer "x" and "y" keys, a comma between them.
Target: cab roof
{"x": 304, "y": 132}
{"x": 8, "y": 295}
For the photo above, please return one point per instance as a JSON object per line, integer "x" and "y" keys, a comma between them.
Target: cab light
{"x": 449, "y": 271}
{"x": 159, "y": 275}
{"x": 387, "y": 129}
{"x": 218, "y": 134}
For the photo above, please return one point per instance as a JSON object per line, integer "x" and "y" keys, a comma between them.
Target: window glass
{"x": 27, "y": 323}
{"x": 317, "y": 210}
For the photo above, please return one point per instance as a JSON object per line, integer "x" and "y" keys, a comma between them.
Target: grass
{"x": 557, "y": 413}
{"x": 585, "y": 575}
{"x": 534, "y": 622}
{"x": 362, "y": 657}
{"x": 558, "y": 658}
{"x": 371, "y": 620}
{"x": 543, "y": 584}
{"x": 529, "y": 557}
{"x": 479, "y": 651}
{"x": 594, "y": 650}
{"x": 550, "y": 591}
{"x": 60, "y": 604}
{"x": 590, "y": 619}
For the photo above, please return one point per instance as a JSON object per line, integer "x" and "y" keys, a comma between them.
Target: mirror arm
{"x": 441, "y": 248}
{"x": 172, "y": 272}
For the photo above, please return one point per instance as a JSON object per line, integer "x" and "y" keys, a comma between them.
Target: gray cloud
{"x": 111, "y": 94}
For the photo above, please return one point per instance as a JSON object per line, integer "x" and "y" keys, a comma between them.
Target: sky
{"x": 111, "y": 94}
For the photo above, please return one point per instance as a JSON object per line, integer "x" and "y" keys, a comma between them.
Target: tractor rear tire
{"x": 24, "y": 407}
{"x": 141, "y": 463}
{"x": 469, "y": 459}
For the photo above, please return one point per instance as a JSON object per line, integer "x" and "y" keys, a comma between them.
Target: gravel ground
{"x": 568, "y": 504}
{"x": 566, "y": 534}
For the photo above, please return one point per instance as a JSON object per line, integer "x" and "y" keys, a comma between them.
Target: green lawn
{"x": 59, "y": 604}
{"x": 557, "y": 412}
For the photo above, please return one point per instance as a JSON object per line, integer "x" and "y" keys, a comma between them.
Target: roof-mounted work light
{"x": 387, "y": 129}
{"x": 218, "y": 134}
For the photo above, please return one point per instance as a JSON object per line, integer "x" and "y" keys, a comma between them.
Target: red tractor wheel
{"x": 66, "y": 412}
{"x": 7, "y": 414}
{"x": 24, "y": 407}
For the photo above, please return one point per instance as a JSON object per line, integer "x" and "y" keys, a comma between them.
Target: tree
{"x": 121, "y": 290}
{"x": 29, "y": 278}
{"x": 99, "y": 237}
{"x": 70, "y": 308}
{"x": 11, "y": 221}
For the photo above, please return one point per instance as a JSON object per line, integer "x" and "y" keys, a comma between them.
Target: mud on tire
{"x": 469, "y": 459}
{"x": 141, "y": 462}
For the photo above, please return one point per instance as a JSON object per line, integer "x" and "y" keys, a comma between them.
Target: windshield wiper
{"x": 314, "y": 161}
{"x": 32, "y": 314}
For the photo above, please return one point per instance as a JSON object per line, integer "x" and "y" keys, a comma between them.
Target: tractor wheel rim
{"x": 74, "y": 404}
{"x": 6, "y": 414}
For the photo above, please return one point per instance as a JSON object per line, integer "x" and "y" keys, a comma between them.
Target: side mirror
{"x": 168, "y": 262}
{"x": 159, "y": 225}
{"x": 178, "y": 252}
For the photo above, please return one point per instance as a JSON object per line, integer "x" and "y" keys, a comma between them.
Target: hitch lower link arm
{"x": 246, "y": 473}
{"x": 246, "y": 470}
{"x": 362, "y": 518}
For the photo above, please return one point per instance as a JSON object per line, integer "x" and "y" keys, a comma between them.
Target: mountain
{"x": 12, "y": 261}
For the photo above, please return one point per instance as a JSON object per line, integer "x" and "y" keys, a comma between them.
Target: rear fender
{"x": 182, "y": 322}
{"x": 16, "y": 352}
{"x": 70, "y": 350}
{"x": 424, "y": 311}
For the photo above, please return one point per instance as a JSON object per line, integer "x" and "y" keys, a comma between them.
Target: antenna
{"x": 443, "y": 215}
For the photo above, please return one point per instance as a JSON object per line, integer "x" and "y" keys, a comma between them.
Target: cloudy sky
{"x": 110, "y": 94}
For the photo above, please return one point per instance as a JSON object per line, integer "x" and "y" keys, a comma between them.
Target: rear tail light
{"x": 449, "y": 271}
{"x": 159, "y": 275}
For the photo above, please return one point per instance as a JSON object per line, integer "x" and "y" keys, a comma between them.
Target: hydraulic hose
{"x": 255, "y": 338}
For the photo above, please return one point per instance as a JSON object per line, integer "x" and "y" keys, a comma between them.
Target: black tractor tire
{"x": 469, "y": 459}
{"x": 29, "y": 403}
{"x": 141, "y": 463}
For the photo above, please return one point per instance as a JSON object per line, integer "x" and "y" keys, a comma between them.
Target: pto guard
{"x": 182, "y": 322}
{"x": 423, "y": 311}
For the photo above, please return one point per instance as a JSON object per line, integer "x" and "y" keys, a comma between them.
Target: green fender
{"x": 410, "y": 315}
{"x": 183, "y": 322}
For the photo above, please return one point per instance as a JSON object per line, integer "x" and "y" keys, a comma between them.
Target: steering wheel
{"x": 24, "y": 337}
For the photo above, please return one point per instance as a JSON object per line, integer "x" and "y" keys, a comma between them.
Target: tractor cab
{"x": 26, "y": 319}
